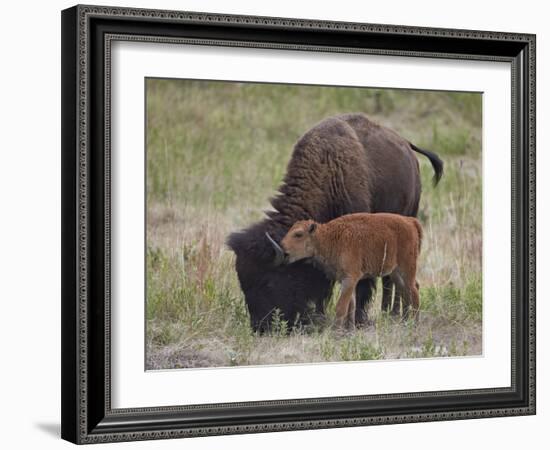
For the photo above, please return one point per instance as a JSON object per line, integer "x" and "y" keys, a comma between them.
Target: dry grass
{"x": 217, "y": 151}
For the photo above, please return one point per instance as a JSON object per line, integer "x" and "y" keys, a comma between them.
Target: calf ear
{"x": 312, "y": 227}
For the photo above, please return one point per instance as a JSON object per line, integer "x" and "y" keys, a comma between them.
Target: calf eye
{"x": 298, "y": 235}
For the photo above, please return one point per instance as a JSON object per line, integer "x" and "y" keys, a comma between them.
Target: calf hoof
{"x": 340, "y": 324}
{"x": 344, "y": 327}
{"x": 339, "y": 332}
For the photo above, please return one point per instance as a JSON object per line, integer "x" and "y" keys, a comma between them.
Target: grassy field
{"x": 216, "y": 153}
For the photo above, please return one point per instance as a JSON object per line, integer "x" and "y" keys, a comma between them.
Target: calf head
{"x": 298, "y": 244}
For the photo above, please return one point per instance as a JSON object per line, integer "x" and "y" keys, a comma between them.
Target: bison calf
{"x": 357, "y": 246}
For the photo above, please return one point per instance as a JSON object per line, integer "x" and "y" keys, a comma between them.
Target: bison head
{"x": 297, "y": 292}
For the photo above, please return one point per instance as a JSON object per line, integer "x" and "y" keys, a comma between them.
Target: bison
{"x": 358, "y": 246}
{"x": 345, "y": 164}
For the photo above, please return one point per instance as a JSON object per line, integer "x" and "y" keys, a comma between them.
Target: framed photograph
{"x": 279, "y": 224}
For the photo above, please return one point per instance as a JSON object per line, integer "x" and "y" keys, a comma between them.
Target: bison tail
{"x": 437, "y": 163}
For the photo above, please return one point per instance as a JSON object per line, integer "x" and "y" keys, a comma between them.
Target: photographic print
{"x": 292, "y": 224}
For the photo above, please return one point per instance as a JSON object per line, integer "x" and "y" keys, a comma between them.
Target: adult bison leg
{"x": 363, "y": 295}
{"x": 397, "y": 300}
{"x": 387, "y": 293}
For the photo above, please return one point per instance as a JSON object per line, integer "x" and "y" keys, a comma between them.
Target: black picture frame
{"x": 87, "y": 416}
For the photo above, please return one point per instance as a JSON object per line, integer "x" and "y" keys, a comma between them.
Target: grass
{"x": 215, "y": 155}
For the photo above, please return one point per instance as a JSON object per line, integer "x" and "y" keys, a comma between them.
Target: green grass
{"x": 216, "y": 153}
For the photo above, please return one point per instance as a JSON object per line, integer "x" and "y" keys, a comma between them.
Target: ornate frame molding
{"x": 84, "y": 423}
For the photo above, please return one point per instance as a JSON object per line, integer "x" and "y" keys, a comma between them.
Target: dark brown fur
{"x": 358, "y": 246}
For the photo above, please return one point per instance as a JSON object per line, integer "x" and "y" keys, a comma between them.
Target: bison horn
{"x": 279, "y": 253}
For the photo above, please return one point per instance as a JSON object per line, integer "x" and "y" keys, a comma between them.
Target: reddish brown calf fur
{"x": 356, "y": 246}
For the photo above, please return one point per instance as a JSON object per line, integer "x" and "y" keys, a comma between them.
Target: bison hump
{"x": 327, "y": 175}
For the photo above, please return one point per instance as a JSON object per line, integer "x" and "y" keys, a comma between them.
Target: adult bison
{"x": 344, "y": 164}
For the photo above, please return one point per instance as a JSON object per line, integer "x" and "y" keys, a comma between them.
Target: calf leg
{"x": 350, "y": 322}
{"x": 411, "y": 299}
{"x": 347, "y": 296}
{"x": 405, "y": 300}
{"x": 363, "y": 295}
{"x": 415, "y": 299}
